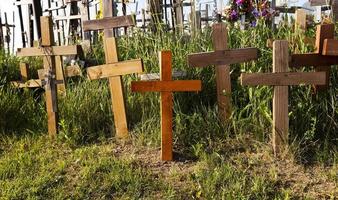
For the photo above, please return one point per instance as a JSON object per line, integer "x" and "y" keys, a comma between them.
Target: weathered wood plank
{"x": 280, "y": 116}
{"x": 24, "y": 72}
{"x": 33, "y": 83}
{"x": 51, "y": 88}
{"x": 43, "y": 51}
{"x": 330, "y": 48}
{"x": 223, "y": 80}
{"x": 70, "y": 71}
{"x": 300, "y": 19}
{"x": 109, "y": 23}
{"x": 283, "y": 78}
{"x": 166, "y": 86}
{"x": 320, "y": 2}
{"x": 325, "y": 31}
{"x": 312, "y": 59}
{"x": 116, "y": 89}
{"x": 60, "y": 76}
{"x": 222, "y": 57}
{"x": 115, "y": 69}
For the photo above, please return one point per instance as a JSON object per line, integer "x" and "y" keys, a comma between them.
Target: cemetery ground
{"x": 213, "y": 159}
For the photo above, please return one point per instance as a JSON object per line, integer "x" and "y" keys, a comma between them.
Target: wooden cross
{"x": 222, "y": 58}
{"x": 166, "y": 86}
{"x": 281, "y": 79}
{"x": 113, "y": 69}
{"x": 319, "y": 59}
{"x": 50, "y": 54}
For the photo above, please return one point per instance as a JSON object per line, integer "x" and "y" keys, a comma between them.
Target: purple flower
{"x": 253, "y": 24}
{"x": 255, "y": 13}
{"x": 264, "y": 13}
{"x": 233, "y": 15}
{"x": 239, "y": 2}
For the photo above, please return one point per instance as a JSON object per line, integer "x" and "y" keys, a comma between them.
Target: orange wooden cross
{"x": 324, "y": 55}
{"x": 222, "y": 58}
{"x": 166, "y": 86}
{"x": 52, "y": 66}
{"x": 113, "y": 69}
{"x": 281, "y": 79}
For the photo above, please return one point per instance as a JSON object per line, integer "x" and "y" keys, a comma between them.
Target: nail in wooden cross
{"x": 323, "y": 58}
{"x": 281, "y": 79}
{"x": 113, "y": 69}
{"x": 222, "y": 58}
{"x": 50, "y": 54}
{"x": 166, "y": 86}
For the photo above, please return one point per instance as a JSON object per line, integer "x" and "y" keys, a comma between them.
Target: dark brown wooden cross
{"x": 222, "y": 58}
{"x": 49, "y": 53}
{"x": 113, "y": 69}
{"x": 166, "y": 86}
{"x": 320, "y": 59}
{"x": 281, "y": 79}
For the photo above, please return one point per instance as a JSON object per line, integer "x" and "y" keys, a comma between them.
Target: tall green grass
{"x": 86, "y": 117}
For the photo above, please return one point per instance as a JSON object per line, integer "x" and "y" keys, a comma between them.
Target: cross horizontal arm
{"x": 34, "y": 83}
{"x": 224, "y": 57}
{"x": 312, "y": 59}
{"x": 109, "y": 23}
{"x": 70, "y": 71}
{"x": 52, "y": 51}
{"x": 166, "y": 86}
{"x": 115, "y": 69}
{"x": 330, "y": 47}
{"x": 283, "y": 78}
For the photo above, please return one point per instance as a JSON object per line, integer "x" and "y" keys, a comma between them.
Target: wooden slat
{"x": 50, "y": 89}
{"x": 223, "y": 80}
{"x": 115, "y": 69}
{"x": 165, "y": 59}
{"x": 42, "y": 51}
{"x": 330, "y": 47}
{"x": 280, "y": 126}
{"x": 60, "y": 76}
{"x": 24, "y": 72}
{"x": 283, "y": 78}
{"x": 33, "y": 83}
{"x": 71, "y": 17}
{"x": 300, "y": 19}
{"x": 116, "y": 89}
{"x": 166, "y": 86}
{"x": 312, "y": 59}
{"x": 156, "y": 76}
{"x": 325, "y": 31}
{"x": 222, "y": 57}
{"x": 109, "y": 23}
{"x": 320, "y": 2}
{"x": 70, "y": 71}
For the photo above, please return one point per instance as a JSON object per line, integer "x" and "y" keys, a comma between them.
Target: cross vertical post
{"x": 222, "y": 57}
{"x": 166, "y": 86}
{"x": 47, "y": 40}
{"x": 280, "y": 98}
{"x": 281, "y": 79}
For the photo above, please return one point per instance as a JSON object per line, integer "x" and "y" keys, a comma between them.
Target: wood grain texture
{"x": 283, "y": 78}
{"x": 280, "y": 126}
{"x": 166, "y": 126}
{"x": 166, "y": 86}
{"x": 115, "y": 69}
{"x": 116, "y": 89}
{"x": 320, "y": 2}
{"x": 330, "y": 47}
{"x": 325, "y": 31}
{"x": 60, "y": 76}
{"x": 42, "y": 51}
{"x": 223, "y": 80}
{"x": 47, "y": 35}
{"x": 70, "y": 71}
{"x": 312, "y": 60}
{"x": 300, "y": 19}
{"x": 109, "y": 23}
{"x": 33, "y": 83}
{"x": 223, "y": 57}
{"x": 24, "y": 72}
